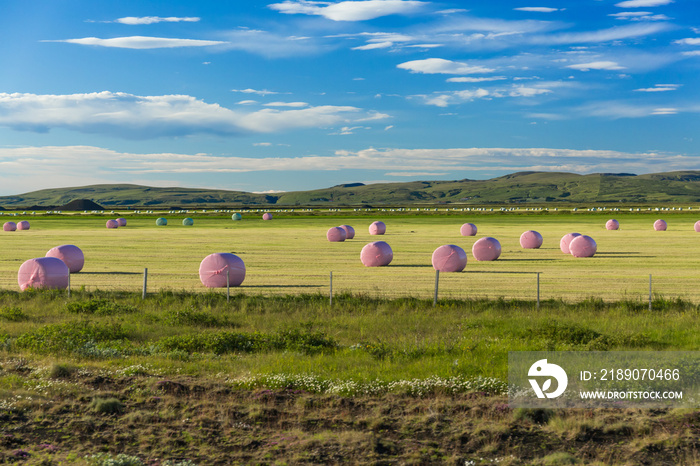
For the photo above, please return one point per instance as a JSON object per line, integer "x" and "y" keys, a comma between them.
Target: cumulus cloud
{"x": 689, "y": 41}
{"x": 134, "y": 20}
{"x": 442, "y": 66}
{"x": 537, "y": 9}
{"x": 140, "y": 42}
{"x": 143, "y": 117}
{"x": 643, "y": 3}
{"x": 445, "y": 99}
{"x": 597, "y": 65}
{"x": 350, "y": 10}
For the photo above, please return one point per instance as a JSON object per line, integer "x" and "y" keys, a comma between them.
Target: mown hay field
{"x": 290, "y": 254}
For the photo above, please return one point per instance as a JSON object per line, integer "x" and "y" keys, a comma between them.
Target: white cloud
{"x": 659, "y": 88}
{"x": 445, "y": 99}
{"x": 287, "y": 104}
{"x": 29, "y": 168}
{"x": 374, "y": 45}
{"x": 270, "y": 44}
{"x": 415, "y": 174}
{"x": 262, "y": 92}
{"x": 262, "y": 144}
{"x": 694, "y": 53}
{"x": 688, "y": 41}
{"x": 350, "y": 10}
{"x": 142, "y": 117}
{"x": 141, "y": 42}
{"x": 639, "y": 16}
{"x": 441, "y": 66}
{"x": 643, "y": 3}
{"x": 134, "y": 20}
{"x": 464, "y": 79}
{"x": 537, "y": 9}
{"x": 597, "y": 65}
{"x": 665, "y": 111}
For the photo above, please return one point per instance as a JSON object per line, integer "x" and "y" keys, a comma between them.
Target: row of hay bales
{"x": 12, "y": 226}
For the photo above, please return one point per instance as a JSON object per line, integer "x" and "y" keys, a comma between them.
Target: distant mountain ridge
{"x": 514, "y": 188}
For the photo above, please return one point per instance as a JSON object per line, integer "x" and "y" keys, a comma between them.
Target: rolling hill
{"x": 515, "y": 188}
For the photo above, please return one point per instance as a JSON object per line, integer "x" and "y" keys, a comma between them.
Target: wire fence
{"x": 427, "y": 284}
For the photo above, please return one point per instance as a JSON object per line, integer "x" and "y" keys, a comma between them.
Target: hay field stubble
{"x": 290, "y": 255}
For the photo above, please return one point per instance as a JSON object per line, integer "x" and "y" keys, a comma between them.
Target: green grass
{"x": 290, "y": 255}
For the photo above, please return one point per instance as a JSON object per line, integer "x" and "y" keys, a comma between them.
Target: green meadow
{"x": 278, "y": 374}
{"x": 290, "y": 254}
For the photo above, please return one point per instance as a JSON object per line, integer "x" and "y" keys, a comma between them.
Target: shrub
{"x": 61, "y": 371}
{"x": 107, "y": 405}
{"x": 101, "y": 307}
{"x": 69, "y": 336}
{"x": 12, "y": 314}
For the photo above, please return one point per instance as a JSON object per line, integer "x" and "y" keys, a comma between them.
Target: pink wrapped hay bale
{"x": 9, "y": 226}
{"x": 531, "y": 240}
{"x": 376, "y": 254}
{"x": 583, "y": 246}
{"x": 336, "y": 234}
{"x": 23, "y": 225}
{"x": 43, "y": 272}
{"x": 566, "y": 241}
{"x": 449, "y": 258}
{"x": 612, "y": 224}
{"x": 121, "y": 221}
{"x": 112, "y": 224}
{"x": 697, "y": 226}
{"x": 660, "y": 225}
{"x": 212, "y": 270}
{"x": 267, "y": 216}
{"x": 377, "y": 228}
{"x": 71, "y": 255}
{"x": 486, "y": 249}
{"x": 349, "y": 231}
{"x": 468, "y": 229}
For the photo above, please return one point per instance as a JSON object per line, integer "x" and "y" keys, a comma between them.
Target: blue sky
{"x": 295, "y": 95}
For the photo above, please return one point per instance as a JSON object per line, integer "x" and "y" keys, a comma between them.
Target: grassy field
{"x": 290, "y": 255}
{"x": 278, "y": 375}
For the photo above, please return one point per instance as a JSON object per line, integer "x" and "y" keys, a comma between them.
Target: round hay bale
{"x": 697, "y": 226}
{"x": 267, "y": 216}
{"x": 121, "y": 221}
{"x": 23, "y": 225}
{"x": 212, "y": 270}
{"x": 531, "y": 240}
{"x": 376, "y": 254}
{"x": 349, "y": 231}
{"x": 486, "y": 249}
{"x": 71, "y": 255}
{"x": 449, "y": 258}
{"x": 161, "y": 221}
{"x": 336, "y": 234}
{"x": 468, "y": 229}
{"x": 236, "y": 216}
{"x": 583, "y": 246}
{"x": 188, "y": 222}
{"x": 566, "y": 241}
{"x": 43, "y": 272}
{"x": 612, "y": 224}
{"x": 377, "y": 228}
{"x": 112, "y": 224}
{"x": 9, "y": 226}
{"x": 660, "y": 225}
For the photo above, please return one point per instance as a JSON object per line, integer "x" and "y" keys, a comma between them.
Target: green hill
{"x": 516, "y": 188}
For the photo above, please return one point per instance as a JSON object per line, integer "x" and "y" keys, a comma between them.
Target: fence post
{"x": 538, "y": 291}
{"x": 228, "y": 286}
{"x": 650, "y": 292}
{"x": 145, "y": 283}
{"x": 69, "y": 285}
{"x": 437, "y": 280}
{"x": 331, "y": 289}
